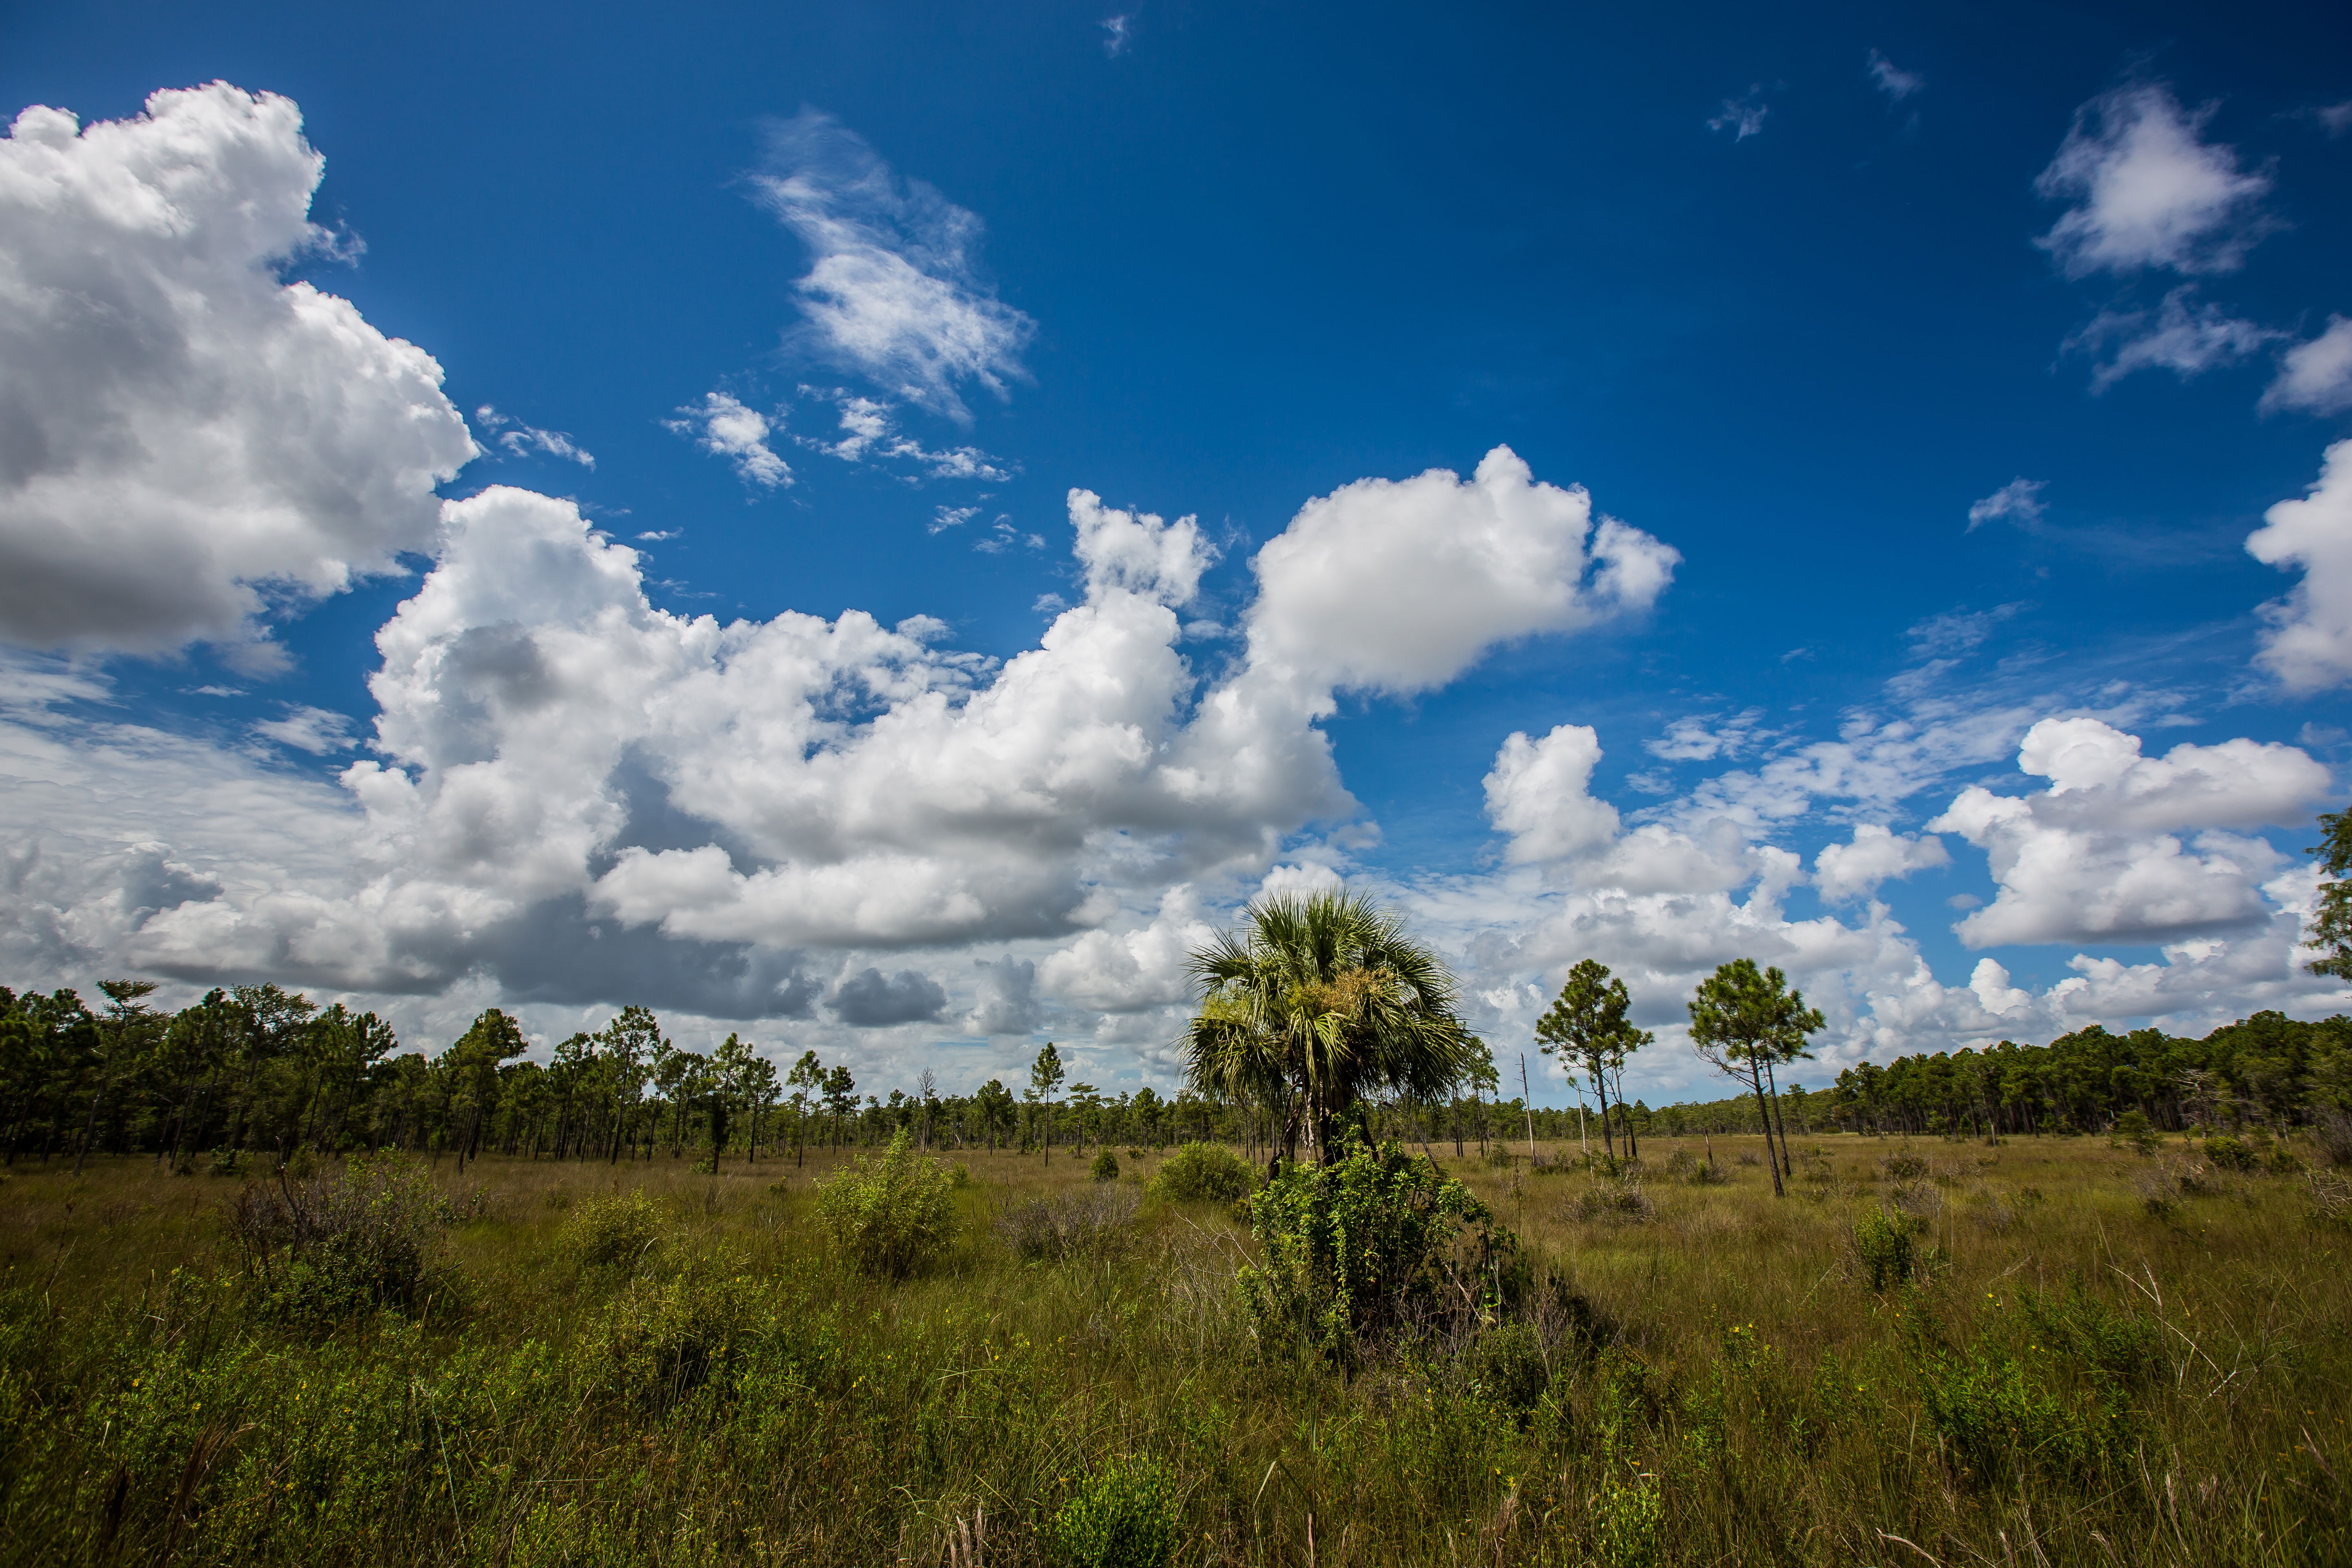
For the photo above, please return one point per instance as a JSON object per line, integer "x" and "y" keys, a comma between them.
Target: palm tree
{"x": 1317, "y": 1001}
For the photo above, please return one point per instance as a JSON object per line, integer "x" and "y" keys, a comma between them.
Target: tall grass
{"x": 2071, "y": 1378}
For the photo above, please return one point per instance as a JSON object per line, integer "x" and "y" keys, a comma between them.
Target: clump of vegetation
{"x": 2228, "y": 1153}
{"x": 1105, "y": 1167}
{"x": 329, "y": 1247}
{"x": 1123, "y": 1516}
{"x": 1620, "y": 1202}
{"x": 2331, "y": 1134}
{"x": 2132, "y": 1130}
{"x": 1201, "y": 1172}
{"x": 1375, "y": 1242}
{"x": 890, "y": 1213}
{"x": 1507, "y": 1363}
{"x": 1904, "y": 1167}
{"x": 616, "y": 1231}
{"x": 1083, "y": 1222}
{"x": 2061, "y": 1409}
{"x": 1889, "y": 1255}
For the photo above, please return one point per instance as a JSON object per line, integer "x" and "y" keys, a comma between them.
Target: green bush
{"x": 1997, "y": 1420}
{"x": 330, "y": 1246}
{"x": 1905, "y": 1167}
{"x": 2131, "y": 1130}
{"x": 614, "y": 1232}
{"x": 1124, "y": 1516}
{"x": 1883, "y": 1245}
{"x": 1201, "y": 1172}
{"x": 1372, "y": 1243}
{"x": 1507, "y": 1363}
{"x": 2226, "y": 1153}
{"x": 1104, "y": 1168}
{"x": 658, "y": 1342}
{"x": 890, "y": 1213}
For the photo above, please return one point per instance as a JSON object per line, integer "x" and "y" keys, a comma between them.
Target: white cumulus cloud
{"x": 2308, "y": 642}
{"x": 1843, "y": 872}
{"x": 2315, "y": 377}
{"x": 1397, "y": 585}
{"x": 184, "y": 438}
{"x": 2099, "y": 856}
{"x": 726, "y": 427}
{"x": 2147, "y": 189}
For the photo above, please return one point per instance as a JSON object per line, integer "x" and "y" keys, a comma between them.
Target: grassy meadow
{"x": 2052, "y": 1352}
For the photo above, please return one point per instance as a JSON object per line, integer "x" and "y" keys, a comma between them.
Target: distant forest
{"x": 257, "y": 1070}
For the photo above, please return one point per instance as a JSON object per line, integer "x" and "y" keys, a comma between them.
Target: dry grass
{"x": 1748, "y": 1398}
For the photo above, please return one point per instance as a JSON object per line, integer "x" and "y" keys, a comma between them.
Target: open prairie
{"x": 2048, "y": 1351}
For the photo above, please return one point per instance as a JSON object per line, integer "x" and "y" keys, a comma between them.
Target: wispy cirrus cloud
{"x": 1743, "y": 117}
{"x": 2185, "y": 336}
{"x": 1896, "y": 83}
{"x": 894, "y": 287}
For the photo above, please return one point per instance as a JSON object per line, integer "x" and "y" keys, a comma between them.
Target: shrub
{"x": 2131, "y": 1130}
{"x": 658, "y": 1342}
{"x": 1201, "y": 1172}
{"x": 1368, "y": 1244}
{"x": 1919, "y": 1204}
{"x": 1085, "y": 1221}
{"x": 1615, "y": 1203}
{"x": 225, "y": 1163}
{"x": 1507, "y": 1362}
{"x": 1995, "y": 1420}
{"x": 612, "y": 1232}
{"x": 1708, "y": 1173}
{"x": 2331, "y": 1132}
{"x": 1104, "y": 1168}
{"x": 2228, "y": 1154}
{"x": 2114, "y": 1348}
{"x": 1905, "y": 1167}
{"x": 890, "y": 1213}
{"x": 334, "y": 1246}
{"x": 1631, "y": 1522}
{"x": 1123, "y": 1516}
{"x": 1883, "y": 1246}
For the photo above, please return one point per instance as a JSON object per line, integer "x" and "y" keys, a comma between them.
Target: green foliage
{"x": 2132, "y": 1131}
{"x": 335, "y": 1247}
{"x": 614, "y": 1232}
{"x": 1507, "y": 1363}
{"x": 1123, "y": 1516}
{"x": 890, "y": 1213}
{"x": 1105, "y": 1167}
{"x": 658, "y": 1342}
{"x": 1201, "y": 1172}
{"x": 1372, "y": 1244}
{"x": 1884, "y": 1246}
{"x": 2228, "y": 1153}
{"x": 1318, "y": 1001}
{"x": 1632, "y": 1520}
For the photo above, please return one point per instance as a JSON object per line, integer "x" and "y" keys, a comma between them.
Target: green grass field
{"x": 2072, "y": 1356}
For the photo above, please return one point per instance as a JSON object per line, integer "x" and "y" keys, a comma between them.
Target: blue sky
{"x": 1788, "y": 295}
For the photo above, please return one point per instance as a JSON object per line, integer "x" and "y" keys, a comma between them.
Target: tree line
{"x": 1320, "y": 1015}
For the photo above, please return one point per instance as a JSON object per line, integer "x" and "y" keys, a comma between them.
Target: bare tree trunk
{"x": 1764, "y": 1114}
